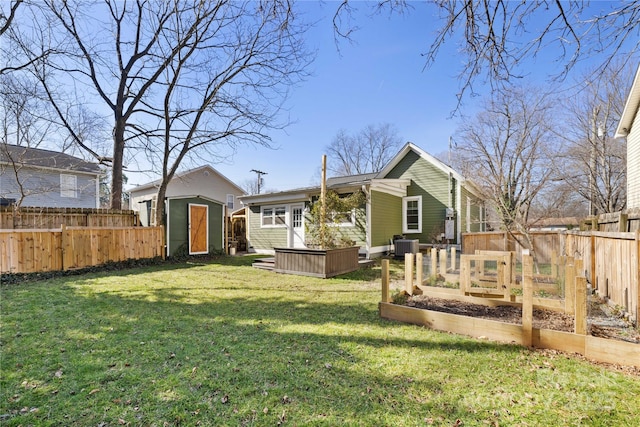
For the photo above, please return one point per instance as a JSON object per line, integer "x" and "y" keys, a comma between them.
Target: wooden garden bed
{"x": 316, "y": 262}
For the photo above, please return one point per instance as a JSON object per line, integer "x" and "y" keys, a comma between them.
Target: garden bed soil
{"x": 602, "y": 321}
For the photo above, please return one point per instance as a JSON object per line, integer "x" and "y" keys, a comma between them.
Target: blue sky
{"x": 378, "y": 78}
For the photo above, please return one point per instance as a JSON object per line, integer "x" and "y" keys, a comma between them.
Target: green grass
{"x": 220, "y": 343}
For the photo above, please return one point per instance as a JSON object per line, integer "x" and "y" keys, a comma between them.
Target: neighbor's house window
{"x": 412, "y": 214}
{"x": 230, "y": 199}
{"x": 273, "y": 216}
{"x": 68, "y": 186}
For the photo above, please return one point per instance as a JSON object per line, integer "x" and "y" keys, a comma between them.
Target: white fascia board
{"x": 630, "y": 108}
{"x": 270, "y": 199}
{"x": 394, "y": 187}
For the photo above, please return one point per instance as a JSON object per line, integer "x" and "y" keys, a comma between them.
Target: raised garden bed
{"x": 494, "y": 323}
{"x": 316, "y": 262}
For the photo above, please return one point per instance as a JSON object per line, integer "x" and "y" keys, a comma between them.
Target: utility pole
{"x": 260, "y": 173}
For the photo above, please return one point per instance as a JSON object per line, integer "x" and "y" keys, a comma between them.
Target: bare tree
{"x": 497, "y": 37}
{"x": 505, "y": 149}
{"x": 594, "y": 163}
{"x": 138, "y": 59}
{"x": 226, "y": 86}
{"x": 369, "y": 150}
{"x": 7, "y": 16}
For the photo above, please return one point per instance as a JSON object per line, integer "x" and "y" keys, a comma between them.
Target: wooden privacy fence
{"x": 68, "y": 248}
{"x": 51, "y": 218}
{"x": 610, "y": 260}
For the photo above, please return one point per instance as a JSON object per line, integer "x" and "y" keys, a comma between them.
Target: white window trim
{"x": 68, "y": 186}
{"x": 274, "y": 207}
{"x": 405, "y": 200}
{"x": 350, "y": 223}
{"x": 231, "y": 198}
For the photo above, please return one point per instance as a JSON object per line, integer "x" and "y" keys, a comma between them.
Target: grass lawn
{"x": 221, "y": 343}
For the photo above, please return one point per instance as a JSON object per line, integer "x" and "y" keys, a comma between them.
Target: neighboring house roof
{"x": 630, "y": 109}
{"x": 185, "y": 174}
{"x": 45, "y": 159}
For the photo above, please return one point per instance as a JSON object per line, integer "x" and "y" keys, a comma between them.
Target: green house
{"x": 415, "y": 196}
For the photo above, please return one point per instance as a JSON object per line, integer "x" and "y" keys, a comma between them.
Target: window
{"x": 342, "y": 218}
{"x": 274, "y": 216}
{"x": 230, "y": 199}
{"x": 68, "y": 186}
{"x": 412, "y": 214}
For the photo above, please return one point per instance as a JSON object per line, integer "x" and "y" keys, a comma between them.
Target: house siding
{"x": 386, "y": 217}
{"x": 42, "y": 188}
{"x": 633, "y": 165}
{"x": 265, "y": 238}
{"x": 433, "y": 185}
{"x": 357, "y": 232}
{"x": 178, "y": 224}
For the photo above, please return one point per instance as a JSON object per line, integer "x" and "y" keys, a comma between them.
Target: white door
{"x": 297, "y": 226}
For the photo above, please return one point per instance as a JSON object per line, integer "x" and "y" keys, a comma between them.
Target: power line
{"x": 260, "y": 173}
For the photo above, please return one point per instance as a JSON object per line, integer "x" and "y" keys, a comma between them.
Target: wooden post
{"x": 419, "y": 269}
{"x": 581, "y": 306}
{"x": 592, "y": 267}
{"x": 465, "y": 274}
{"x": 434, "y": 262}
{"x": 453, "y": 259}
{"x": 554, "y": 264}
{"x": 385, "y": 281}
{"x": 579, "y": 265}
{"x": 638, "y": 277}
{"x": 569, "y": 286}
{"x": 323, "y": 201}
{"x": 408, "y": 273}
{"x": 443, "y": 261}
{"x": 623, "y": 222}
{"x": 63, "y": 246}
{"x": 527, "y": 300}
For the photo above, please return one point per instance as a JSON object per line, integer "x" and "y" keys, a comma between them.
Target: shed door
{"x": 198, "y": 229}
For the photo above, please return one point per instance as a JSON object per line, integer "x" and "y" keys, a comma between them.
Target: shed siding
{"x": 42, "y": 188}
{"x": 178, "y": 223}
{"x": 633, "y": 165}
{"x": 386, "y": 217}
{"x": 433, "y": 185}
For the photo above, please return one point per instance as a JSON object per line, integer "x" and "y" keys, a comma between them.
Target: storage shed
{"x": 195, "y": 225}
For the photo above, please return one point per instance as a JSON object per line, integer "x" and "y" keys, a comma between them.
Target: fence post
{"x": 419, "y": 268}
{"x": 385, "y": 281}
{"x": 569, "y": 286}
{"x": 581, "y": 306}
{"x": 527, "y": 300}
{"x": 638, "y": 277}
{"x": 465, "y": 274}
{"x": 434, "y": 262}
{"x": 63, "y": 246}
{"x": 453, "y": 258}
{"x": 554, "y": 264}
{"x": 408, "y": 273}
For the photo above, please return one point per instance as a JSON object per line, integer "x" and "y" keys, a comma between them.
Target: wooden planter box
{"x": 316, "y": 262}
